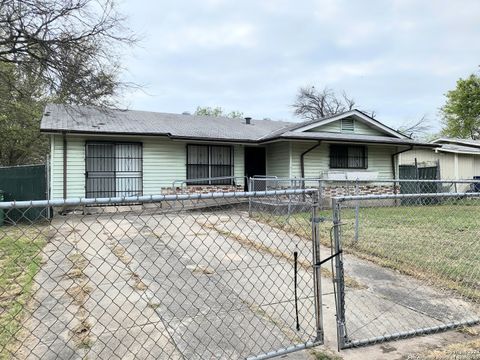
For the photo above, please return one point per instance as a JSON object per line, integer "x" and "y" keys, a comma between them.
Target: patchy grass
{"x": 438, "y": 243}
{"x": 20, "y": 260}
{"x": 325, "y": 355}
{"x": 468, "y": 350}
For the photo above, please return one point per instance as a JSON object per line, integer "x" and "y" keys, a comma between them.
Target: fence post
{"x": 339, "y": 276}
{"x": 317, "y": 276}
{"x": 320, "y": 194}
{"x": 249, "y": 182}
{"x": 357, "y": 205}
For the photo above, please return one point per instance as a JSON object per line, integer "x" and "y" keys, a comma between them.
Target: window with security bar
{"x": 348, "y": 157}
{"x": 209, "y": 161}
{"x": 113, "y": 169}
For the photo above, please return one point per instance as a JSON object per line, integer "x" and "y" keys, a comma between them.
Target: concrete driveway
{"x": 131, "y": 285}
{"x": 200, "y": 285}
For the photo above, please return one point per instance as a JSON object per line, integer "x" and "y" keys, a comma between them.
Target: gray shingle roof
{"x": 91, "y": 120}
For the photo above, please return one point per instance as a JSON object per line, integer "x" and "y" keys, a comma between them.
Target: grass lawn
{"x": 439, "y": 243}
{"x": 20, "y": 260}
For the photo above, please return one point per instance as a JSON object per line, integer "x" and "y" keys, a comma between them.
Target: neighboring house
{"x": 103, "y": 153}
{"x": 456, "y": 158}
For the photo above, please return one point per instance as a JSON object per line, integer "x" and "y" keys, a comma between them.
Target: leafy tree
{"x": 63, "y": 51}
{"x": 216, "y": 111}
{"x": 461, "y": 112}
{"x": 21, "y": 105}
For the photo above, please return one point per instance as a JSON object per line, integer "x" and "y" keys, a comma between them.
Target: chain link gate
{"x": 168, "y": 276}
{"x": 414, "y": 264}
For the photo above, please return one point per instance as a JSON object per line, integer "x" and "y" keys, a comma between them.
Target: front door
{"x": 255, "y": 163}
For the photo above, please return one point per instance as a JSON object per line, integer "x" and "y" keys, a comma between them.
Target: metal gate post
{"x": 339, "y": 277}
{"x": 317, "y": 276}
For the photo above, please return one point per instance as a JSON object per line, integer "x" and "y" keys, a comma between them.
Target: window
{"x": 348, "y": 124}
{"x": 208, "y": 161}
{"x": 348, "y": 157}
{"x": 113, "y": 169}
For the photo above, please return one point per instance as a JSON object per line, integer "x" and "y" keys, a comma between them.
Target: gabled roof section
{"x": 357, "y": 115}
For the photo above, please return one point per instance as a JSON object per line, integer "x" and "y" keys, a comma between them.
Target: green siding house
{"x": 105, "y": 153}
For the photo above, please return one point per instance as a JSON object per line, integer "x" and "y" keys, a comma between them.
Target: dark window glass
{"x": 348, "y": 157}
{"x": 209, "y": 161}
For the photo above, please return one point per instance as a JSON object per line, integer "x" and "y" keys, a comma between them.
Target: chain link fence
{"x": 416, "y": 260}
{"x": 186, "y": 276}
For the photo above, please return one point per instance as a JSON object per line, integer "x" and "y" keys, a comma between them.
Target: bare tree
{"x": 312, "y": 104}
{"x": 71, "y": 44}
{"x": 416, "y": 129}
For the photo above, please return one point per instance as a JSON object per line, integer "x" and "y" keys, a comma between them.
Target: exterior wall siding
{"x": 429, "y": 157}
{"x": 317, "y": 161}
{"x": 452, "y": 166}
{"x": 164, "y": 161}
{"x": 75, "y": 167}
{"x": 278, "y": 159}
{"x": 239, "y": 165}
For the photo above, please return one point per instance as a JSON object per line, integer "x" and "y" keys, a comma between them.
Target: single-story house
{"x": 457, "y": 159}
{"x": 103, "y": 153}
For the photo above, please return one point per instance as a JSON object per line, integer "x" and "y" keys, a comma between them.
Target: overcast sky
{"x": 395, "y": 57}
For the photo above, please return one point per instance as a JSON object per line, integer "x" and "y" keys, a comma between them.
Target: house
{"x": 103, "y": 153}
{"x": 456, "y": 159}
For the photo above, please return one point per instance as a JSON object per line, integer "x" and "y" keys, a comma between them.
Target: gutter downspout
{"x": 64, "y": 134}
{"x": 302, "y": 162}
{"x": 394, "y": 168}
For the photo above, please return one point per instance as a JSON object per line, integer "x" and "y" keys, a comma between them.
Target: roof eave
{"x": 170, "y": 136}
{"x": 367, "y": 141}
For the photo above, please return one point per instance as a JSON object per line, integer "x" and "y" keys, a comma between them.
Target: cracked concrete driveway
{"x": 171, "y": 285}
{"x": 211, "y": 284}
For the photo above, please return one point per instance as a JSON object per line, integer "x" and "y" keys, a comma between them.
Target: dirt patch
{"x": 122, "y": 254}
{"x": 138, "y": 284}
{"x": 81, "y": 334}
{"x": 79, "y": 292}
{"x": 201, "y": 269}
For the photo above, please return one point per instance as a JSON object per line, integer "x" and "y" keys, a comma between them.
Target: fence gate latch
{"x": 328, "y": 258}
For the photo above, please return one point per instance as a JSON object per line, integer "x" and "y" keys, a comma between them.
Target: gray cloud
{"x": 395, "y": 57}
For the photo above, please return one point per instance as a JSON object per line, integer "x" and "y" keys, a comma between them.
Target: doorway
{"x": 255, "y": 162}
